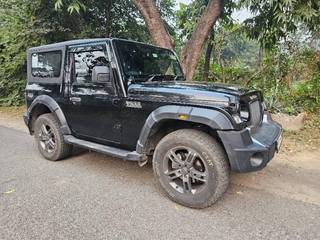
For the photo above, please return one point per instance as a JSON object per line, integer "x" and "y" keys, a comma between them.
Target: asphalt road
{"x": 91, "y": 196}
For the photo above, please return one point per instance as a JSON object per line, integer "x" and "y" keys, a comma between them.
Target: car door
{"x": 92, "y": 112}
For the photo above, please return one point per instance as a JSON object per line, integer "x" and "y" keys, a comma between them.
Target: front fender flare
{"x": 213, "y": 118}
{"x": 53, "y": 106}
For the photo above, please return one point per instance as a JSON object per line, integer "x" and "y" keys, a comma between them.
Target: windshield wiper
{"x": 164, "y": 77}
{"x": 179, "y": 77}
{"x": 151, "y": 77}
{"x": 135, "y": 80}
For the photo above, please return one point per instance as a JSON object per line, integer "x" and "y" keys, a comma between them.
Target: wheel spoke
{"x": 191, "y": 157}
{"x": 187, "y": 187}
{"x": 44, "y": 129}
{"x": 46, "y": 145}
{"x": 174, "y": 174}
{"x": 175, "y": 158}
{"x": 41, "y": 137}
{"x": 197, "y": 175}
{"x": 50, "y": 133}
{"x": 51, "y": 143}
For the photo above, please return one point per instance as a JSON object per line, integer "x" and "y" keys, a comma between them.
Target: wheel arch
{"x": 166, "y": 119}
{"x": 46, "y": 104}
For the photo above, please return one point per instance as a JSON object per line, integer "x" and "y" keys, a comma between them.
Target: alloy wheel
{"x": 47, "y": 138}
{"x": 185, "y": 170}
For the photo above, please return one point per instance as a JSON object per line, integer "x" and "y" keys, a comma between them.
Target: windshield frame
{"x": 125, "y": 78}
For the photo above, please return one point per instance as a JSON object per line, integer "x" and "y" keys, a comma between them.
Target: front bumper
{"x": 252, "y": 148}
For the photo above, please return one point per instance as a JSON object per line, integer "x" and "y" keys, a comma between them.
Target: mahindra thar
{"x": 131, "y": 100}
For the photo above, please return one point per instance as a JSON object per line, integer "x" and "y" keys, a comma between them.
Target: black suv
{"x": 130, "y": 100}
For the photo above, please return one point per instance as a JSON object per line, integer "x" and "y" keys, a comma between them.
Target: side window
{"x": 46, "y": 64}
{"x": 85, "y": 60}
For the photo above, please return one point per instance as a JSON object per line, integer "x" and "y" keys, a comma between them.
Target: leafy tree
{"x": 191, "y": 51}
{"x": 18, "y": 30}
{"x": 274, "y": 20}
{"x": 188, "y": 17}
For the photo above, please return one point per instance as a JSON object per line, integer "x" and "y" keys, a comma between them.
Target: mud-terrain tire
{"x": 191, "y": 167}
{"x": 49, "y": 138}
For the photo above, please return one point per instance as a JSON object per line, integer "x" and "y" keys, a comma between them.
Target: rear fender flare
{"x": 215, "y": 119}
{"x": 53, "y": 106}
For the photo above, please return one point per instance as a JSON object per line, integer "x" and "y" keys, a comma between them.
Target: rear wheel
{"x": 49, "y": 138}
{"x": 191, "y": 167}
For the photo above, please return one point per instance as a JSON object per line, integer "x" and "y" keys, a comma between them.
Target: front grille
{"x": 255, "y": 113}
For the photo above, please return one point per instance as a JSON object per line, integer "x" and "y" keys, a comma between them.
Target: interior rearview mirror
{"x": 101, "y": 74}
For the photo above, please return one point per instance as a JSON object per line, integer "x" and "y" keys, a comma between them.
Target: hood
{"x": 197, "y": 93}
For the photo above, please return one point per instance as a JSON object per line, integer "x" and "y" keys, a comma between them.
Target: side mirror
{"x": 101, "y": 74}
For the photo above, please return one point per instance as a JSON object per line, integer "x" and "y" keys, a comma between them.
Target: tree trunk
{"x": 260, "y": 57}
{"x": 108, "y": 18}
{"x": 206, "y": 67}
{"x": 191, "y": 52}
{"x": 154, "y": 22}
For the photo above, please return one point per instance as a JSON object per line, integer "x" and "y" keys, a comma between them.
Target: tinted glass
{"x": 46, "y": 64}
{"x": 143, "y": 61}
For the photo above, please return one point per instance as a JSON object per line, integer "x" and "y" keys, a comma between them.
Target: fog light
{"x": 256, "y": 159}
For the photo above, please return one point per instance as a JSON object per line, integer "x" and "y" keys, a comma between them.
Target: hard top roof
{"x": 68, "y": 43}
{"x": 81, "y": 41}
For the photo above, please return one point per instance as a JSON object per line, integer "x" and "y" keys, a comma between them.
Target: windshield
{"x": 143, "y": 62}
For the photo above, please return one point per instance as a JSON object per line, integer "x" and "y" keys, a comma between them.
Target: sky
{"x": 239, "y": 15}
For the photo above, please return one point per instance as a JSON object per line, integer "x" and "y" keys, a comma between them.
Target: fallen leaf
{"x": 10, "y": 191}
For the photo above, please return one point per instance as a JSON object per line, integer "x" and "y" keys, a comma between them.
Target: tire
{"x": 191, "y": 167}
{"x": 49, "y": 138}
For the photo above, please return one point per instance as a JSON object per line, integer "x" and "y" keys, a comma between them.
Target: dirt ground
{"x": 294, "y": 173}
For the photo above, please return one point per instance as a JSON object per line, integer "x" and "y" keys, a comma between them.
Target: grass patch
{"x": 14, "y": 112}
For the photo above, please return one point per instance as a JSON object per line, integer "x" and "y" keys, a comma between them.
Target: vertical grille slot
{"x": 255, "y": 113}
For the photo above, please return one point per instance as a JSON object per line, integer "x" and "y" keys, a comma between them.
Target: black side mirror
{"x": 101, "y": 74}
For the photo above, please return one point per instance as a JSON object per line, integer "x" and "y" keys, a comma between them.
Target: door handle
{"x": 75, "y": 99}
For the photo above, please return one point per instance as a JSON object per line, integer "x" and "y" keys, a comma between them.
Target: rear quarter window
{"x": 46, "y": 64}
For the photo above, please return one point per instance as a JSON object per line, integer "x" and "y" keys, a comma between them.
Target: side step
{"x": 112, "y": 151}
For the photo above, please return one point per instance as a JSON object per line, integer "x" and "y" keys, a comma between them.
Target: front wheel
{"x": 191, "y": 167}
{"x": 49, "y": 138}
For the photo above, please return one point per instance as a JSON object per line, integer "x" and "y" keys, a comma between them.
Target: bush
{"x": 290, "y": 82}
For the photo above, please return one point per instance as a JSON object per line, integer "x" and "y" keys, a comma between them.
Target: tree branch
{"x": 154, "y": 22}
{"x": 191, "y": 52}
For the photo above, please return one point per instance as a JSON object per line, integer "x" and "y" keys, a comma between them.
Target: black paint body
{"x": 120, "y": 114}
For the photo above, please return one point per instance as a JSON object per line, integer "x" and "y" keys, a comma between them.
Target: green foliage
{"x": 307, "y": 94}
{"x": 288, "y": 75}
{"x": 73, "y": 6}
{"x": 290, "y": 82}
{"x": 17, "y": 31}
{"x": 273, "y": 20}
